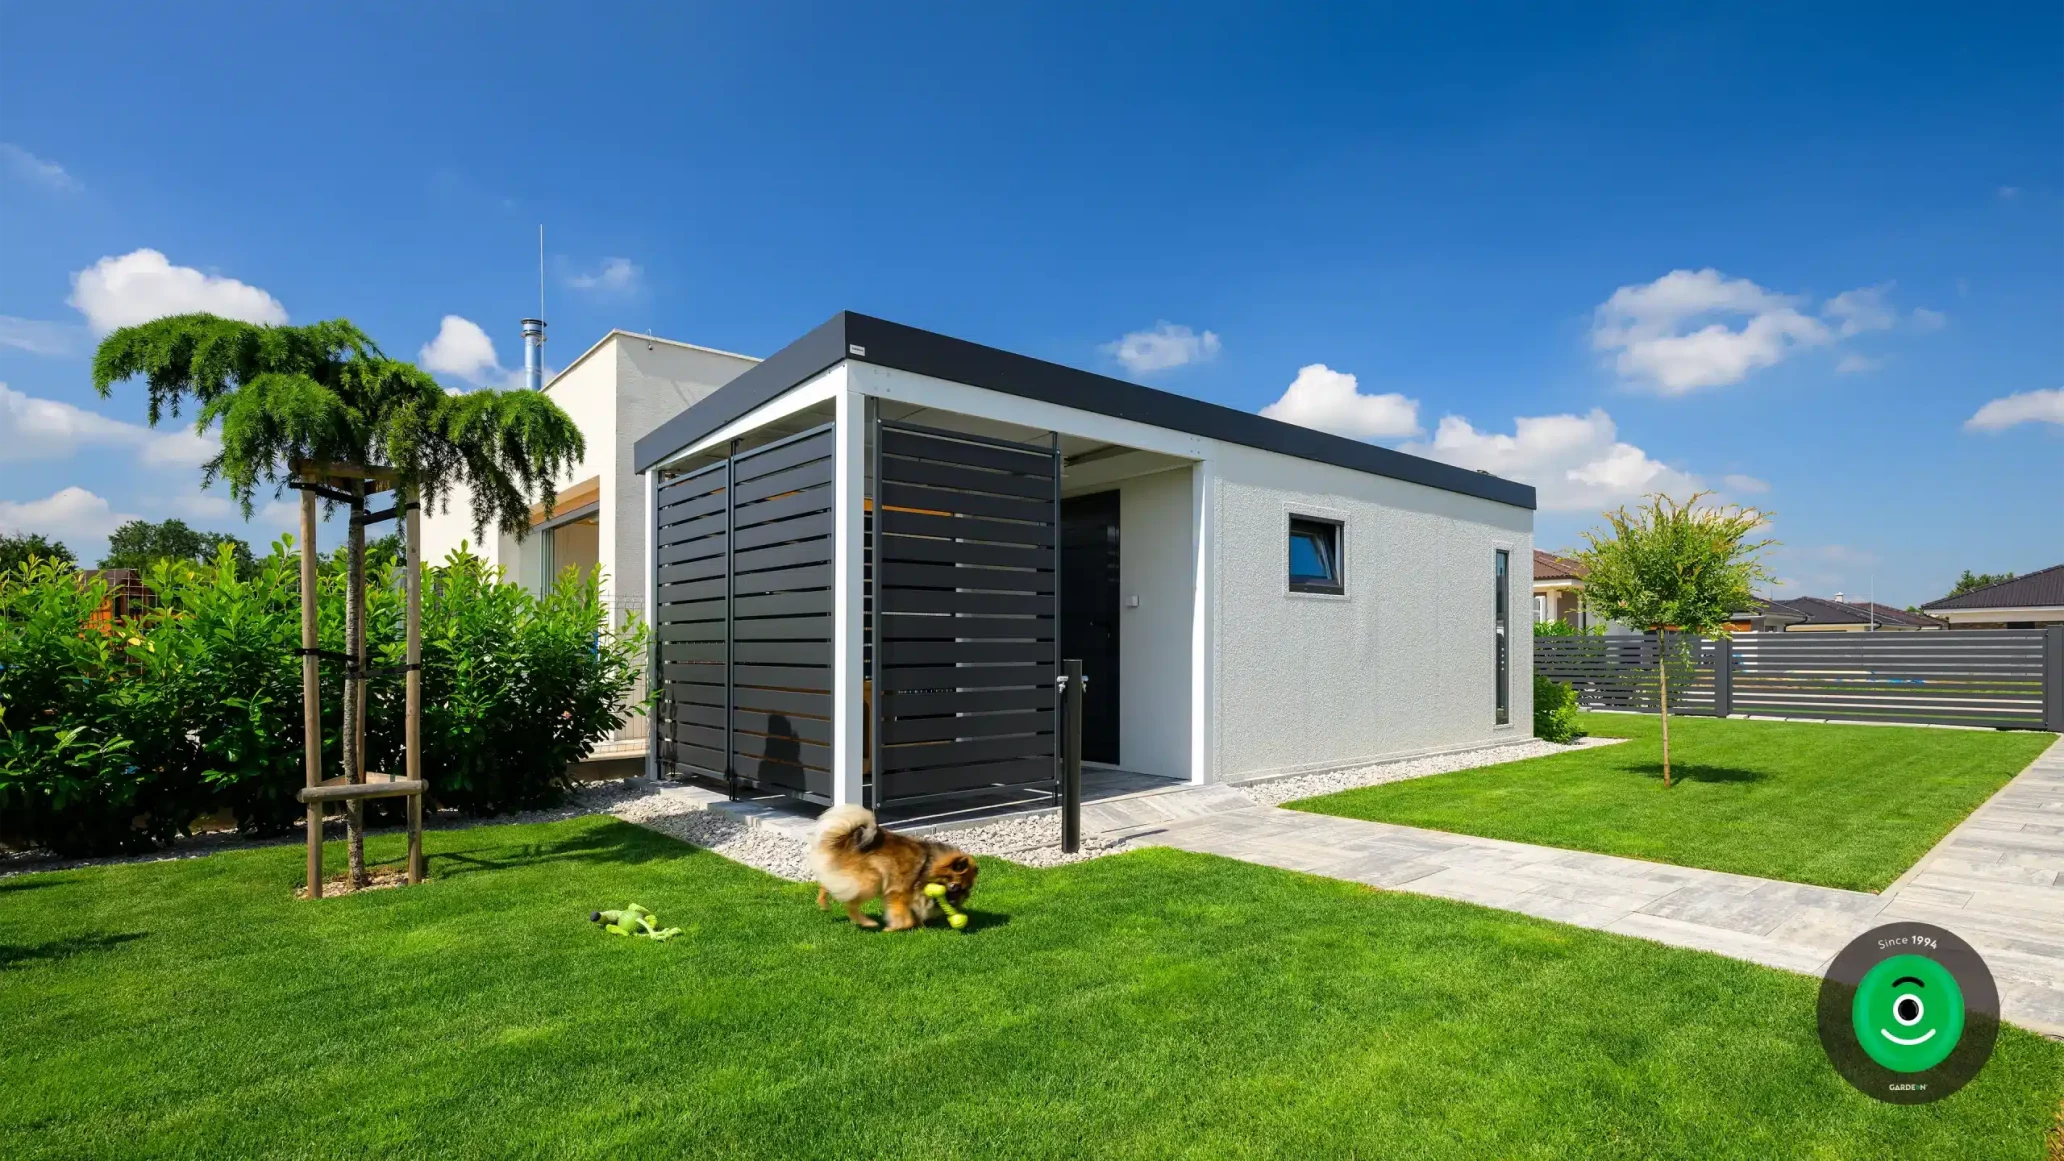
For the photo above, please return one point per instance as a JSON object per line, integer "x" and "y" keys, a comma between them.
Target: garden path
{"x": 1997, "y": 881}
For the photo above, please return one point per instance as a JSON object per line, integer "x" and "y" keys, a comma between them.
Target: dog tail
{"x": 849, "y": 827}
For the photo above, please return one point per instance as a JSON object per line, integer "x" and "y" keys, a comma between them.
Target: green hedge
{"x": 1555, "y": 711}
{"x": 119, "y": 736}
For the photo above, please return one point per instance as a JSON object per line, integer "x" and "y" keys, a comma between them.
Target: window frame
{"x": 1501, "y": 636}
{"x": 1336, "y": 533}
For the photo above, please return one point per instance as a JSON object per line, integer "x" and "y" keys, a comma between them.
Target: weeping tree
{"x": 286, "y": 396}
{"x": 1667, "y": 567}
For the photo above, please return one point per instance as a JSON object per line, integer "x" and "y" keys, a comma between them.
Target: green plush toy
{"x": 954, "y": 918}
{"x": 632, "y": 920}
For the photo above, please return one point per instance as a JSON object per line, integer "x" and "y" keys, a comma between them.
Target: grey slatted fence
{"x": 743, "y": 617}
{"x": 965, "y": 604}
{"x": 2005, "y": 678}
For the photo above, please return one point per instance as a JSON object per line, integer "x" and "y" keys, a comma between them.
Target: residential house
{"x": 1559, "y": 590}
{"x": 871, "y": 552}
{"x": 617, "y": 392}
{"x": 1820, "y": 615}
{"x": 2025, "y": 602}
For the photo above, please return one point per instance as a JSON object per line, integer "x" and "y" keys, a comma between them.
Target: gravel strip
{"x": 735, "y": 839}
{"x": 1033, "y": 840}
{"x": 1281, "y": 790}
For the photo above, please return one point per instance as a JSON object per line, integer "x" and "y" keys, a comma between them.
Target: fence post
{"x": 1071, "y": 755}
{"x": 2053, "y": 678}
{"x": 1723, "y": 675}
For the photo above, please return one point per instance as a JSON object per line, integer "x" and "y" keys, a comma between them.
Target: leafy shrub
{"x": 1555, "y": 711}
{"x": 1560, "y": 628}
{"x": 118, "y": 735}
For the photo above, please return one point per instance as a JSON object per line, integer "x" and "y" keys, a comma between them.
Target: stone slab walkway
{"x": 1997, "y": 881}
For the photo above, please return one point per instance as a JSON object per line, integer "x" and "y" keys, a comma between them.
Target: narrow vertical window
{"x": 1502, "y": 606}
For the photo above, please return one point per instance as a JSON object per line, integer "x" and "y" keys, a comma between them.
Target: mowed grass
{"x": 1155, "y": 1004}
{"x": 1835, "y": 805}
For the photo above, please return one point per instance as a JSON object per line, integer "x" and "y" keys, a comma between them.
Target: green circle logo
{"x": 1908, "y": 1013}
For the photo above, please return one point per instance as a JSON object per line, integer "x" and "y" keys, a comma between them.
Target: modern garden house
{"x": 869, "y": 552}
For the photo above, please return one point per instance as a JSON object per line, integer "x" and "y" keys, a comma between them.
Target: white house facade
{"x": 616, "y": 392}
{"x": 871, "y": 552}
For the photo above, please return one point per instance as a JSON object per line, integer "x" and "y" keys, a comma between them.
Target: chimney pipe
{"x": 534, "y": 353}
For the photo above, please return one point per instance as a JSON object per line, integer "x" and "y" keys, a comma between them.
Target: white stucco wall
{"x": 1156, "y": 564}
{"x": 1402, "y": 663}
{"x": 616, "y": 392}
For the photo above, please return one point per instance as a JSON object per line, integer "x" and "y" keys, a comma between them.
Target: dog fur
{"x": 857, "y": 859}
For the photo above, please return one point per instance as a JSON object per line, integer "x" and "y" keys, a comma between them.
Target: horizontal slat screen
{"x": 964, "y": 604}
{"x": 1956, "y": 677}
{"x": 743, "y": 552}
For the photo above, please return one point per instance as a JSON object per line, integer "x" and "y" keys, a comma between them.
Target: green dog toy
{"x": 936, "y": 892}
{"x": 632, "y": 920}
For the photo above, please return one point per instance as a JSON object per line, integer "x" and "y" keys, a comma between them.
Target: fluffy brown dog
{"x": 858, "y": 859}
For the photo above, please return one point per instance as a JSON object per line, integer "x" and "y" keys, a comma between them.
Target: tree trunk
{"x": 354, "y": 686}
{"x": 1663, "y": 677}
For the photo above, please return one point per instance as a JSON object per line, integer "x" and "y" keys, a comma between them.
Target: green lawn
{"x": 1155, "y": 1004}
{"x": 1841, "y": 806}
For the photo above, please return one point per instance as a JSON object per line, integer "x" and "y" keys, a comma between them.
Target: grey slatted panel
{"x": 688, "y": 620}
{"x": 1956, "y": 677}
{"x": 964, "y": 606}
{"x": 782, "y": 548}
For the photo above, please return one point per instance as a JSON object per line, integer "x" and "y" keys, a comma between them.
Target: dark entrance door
{"x": 1089, "y": 614}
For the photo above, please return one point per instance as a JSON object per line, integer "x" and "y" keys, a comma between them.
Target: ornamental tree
{"x": 325, "y": 393}
{"x": 1668, "y": 566}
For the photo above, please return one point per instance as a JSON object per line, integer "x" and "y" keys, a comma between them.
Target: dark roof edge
{"x": 921, "y": 352}
{"x": 759, "y": 384}
{"x": 2030, "y": 590}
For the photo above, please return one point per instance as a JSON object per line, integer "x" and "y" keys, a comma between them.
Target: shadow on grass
{"x": 1681, "y": 772}
{"x": 14, "y": 955}
{"x": 617, "y": 843}
{"x": 11, "y": 885}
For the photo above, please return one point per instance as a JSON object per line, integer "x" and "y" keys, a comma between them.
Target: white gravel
{"x": 1034, "y": 841}
{"x": 733, "y": 838}
{"x": 1278, "y": 791}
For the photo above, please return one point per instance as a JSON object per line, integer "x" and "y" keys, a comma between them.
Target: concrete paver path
{"x": 1997, "y": 881}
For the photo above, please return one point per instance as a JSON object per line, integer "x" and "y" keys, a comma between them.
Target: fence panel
{"x": 2005, "y": 678}
{"x": 965, "y": 597}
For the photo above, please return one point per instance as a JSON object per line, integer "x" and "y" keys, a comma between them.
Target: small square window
{"x": 1315, "y": 556}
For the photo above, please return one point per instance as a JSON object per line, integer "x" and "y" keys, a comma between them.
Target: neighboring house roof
{"x": 2044, "y": 588}
{"x": 1548, "y": 566}
{"x": 1821, "y": 611}
{"x": 886, "y": 344}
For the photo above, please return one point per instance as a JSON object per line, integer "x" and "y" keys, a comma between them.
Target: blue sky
{"x": 1810, "y": 256}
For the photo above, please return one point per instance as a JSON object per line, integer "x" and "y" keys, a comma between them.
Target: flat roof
{"x": 865, "y": 339}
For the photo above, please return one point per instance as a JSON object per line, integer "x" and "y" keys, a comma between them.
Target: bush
{"x": 1561, "y": 628}
{"x": 1555, "y": 711}
{"x": 119, "y": 735}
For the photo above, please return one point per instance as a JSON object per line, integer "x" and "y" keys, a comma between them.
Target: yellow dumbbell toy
{"x": 936, "y": 892}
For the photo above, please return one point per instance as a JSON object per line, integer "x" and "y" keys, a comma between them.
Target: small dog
{"x": 857, "y": 859}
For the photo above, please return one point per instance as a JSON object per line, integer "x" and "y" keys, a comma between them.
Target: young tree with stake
{"x": 288, "y": 396}
{"x": 1668, "y": 566}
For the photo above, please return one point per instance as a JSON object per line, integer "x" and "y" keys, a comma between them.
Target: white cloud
{"x": 1162, "y": 348}
{"x": 462, "y": 349}
{"x": 1855, "y": 364}
{"x": 142, "y": 285}
{"x": 1326, "y": 399}
{"x": 46, "y": 429}
{"x": 71, "y": 514}
{"x": 1698, "y": 328}
{"x": 1735, "y": 482}
{"x": 2027, "y": 407}
{"x": 1931, "y": 320}
{"x": 1862, "y": 309}
{"x": 616, "y": 276}
{"x": 28, "y": 167}
{"x": 39, "y": 337}
{"x": 1574, "y": 462}
{"x": 1647, "y": 326}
